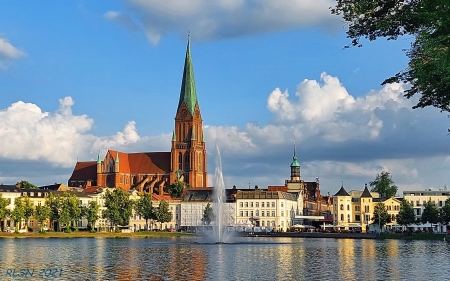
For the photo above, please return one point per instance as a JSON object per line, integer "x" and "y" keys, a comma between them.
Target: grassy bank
{"x": 415, "y": 236}
{"x": 83, "y": 234}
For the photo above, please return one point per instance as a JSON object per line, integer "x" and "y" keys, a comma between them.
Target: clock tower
{"x": 188, "y": 153}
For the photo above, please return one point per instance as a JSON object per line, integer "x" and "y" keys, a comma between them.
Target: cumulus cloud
{"x": 8, "y": 52}
{"x": 59, "y": 138}
{"x": 223, "y": 18}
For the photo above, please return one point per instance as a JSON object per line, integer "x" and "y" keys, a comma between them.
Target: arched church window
{"x": 187, "y": 161}
{"x": 180, "y": 161}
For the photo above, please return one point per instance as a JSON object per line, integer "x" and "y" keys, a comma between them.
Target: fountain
{"x": 219, "y": 233}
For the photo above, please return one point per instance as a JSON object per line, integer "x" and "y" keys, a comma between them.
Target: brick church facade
{"x": 155, "y": 171}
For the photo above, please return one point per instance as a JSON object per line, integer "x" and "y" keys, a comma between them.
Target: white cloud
{"x": 8, "y": 52}
{"x": 60, "y": 138}
{"x": 224, "y": 18}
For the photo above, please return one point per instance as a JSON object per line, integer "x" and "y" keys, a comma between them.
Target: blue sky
{"x": 81, "y": 77}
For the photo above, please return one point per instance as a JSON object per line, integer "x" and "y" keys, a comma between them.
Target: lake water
{"x": 186, "y": 258}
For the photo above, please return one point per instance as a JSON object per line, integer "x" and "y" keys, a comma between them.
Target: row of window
{"x": 247, "y": 204}
{"x": 367, "y": 208}
{"x": 358, "y": 218}
{"x": 424, "y": 202}
{"x": 263, "y": 213}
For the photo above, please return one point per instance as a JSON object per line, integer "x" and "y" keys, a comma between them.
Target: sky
{"x": 78, "y": 78}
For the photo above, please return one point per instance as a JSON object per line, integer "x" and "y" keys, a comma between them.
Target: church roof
{"x": 342, "y": 192}
{"x": 143, "y": 162}
{"x": 188, "y": 93}
{"x": 294, "y": 159}
{"x": 85, "y": 170}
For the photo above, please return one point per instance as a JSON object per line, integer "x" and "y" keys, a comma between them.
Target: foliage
{"x": 208, "y": 215}
{"x": 4, "y": 211}
{"x": 176, "y": 189}
{"x": 427, "y": 21}
{"x": 380, "y": 215}
{"x": 91, "y": 212}
{"x": 430, "y": 213}
{"x": 405, "y": 215}
{"x": 22, "y": 211}
{"x": 54, "y": 203}
{"x": 162, "y": 213}
{"x": 445, "y": 212}
{"x": 26, "y": 185}
{"x": 41, "y": 214}
{"x": 384, "y": 185}
{"x": 70, "y": 210}
{"x": 144, "y": 207}
{"x": 119, "y": 206}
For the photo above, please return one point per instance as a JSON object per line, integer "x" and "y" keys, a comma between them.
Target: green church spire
{"x": 193, "y": 134}
{"x": 188, "y": 93}
{"x": 98, "y": 158}
{"x": 174, "y": 137}
{"x": 294, "y": 159}
{"x": 117, "y": 156}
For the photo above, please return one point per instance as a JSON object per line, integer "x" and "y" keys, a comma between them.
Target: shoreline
{"x": 84, "y": 234}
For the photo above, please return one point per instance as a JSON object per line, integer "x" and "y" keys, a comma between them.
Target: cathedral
{"x": 155, "y": 171}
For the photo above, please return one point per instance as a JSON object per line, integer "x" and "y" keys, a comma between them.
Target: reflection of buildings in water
{"x": 285, "y": 258}
{"x": 368, "y": 256}
{"x": 128, "y": 268}
{"x": 9, "y": 254}
{"x": 97, "y": 257}
{"x": 346, "y": 255}
{"x": 178, "y": 268}
{"x": 392, "y": 257}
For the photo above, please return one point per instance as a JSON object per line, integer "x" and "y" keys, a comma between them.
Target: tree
{"x": 380, "y": 215}
{"x": 405, "y": 215}
{"x": 4, "y": 211}
{"x": 176, "y": 189}
{"x": 430, "y": 213}
{"x": 445, "y": 212}
{"x": 428, "y": 70}
{"x": 70, "y": 211}
{"x": 208, "y": 215}
{"x": 144, "y": 208}
{"x": 119, "y": 207}
{"x": 162, "y": 213}
{"x": 42, "y": 213}
{"x": 384, "y": 185}
{"x": 22, "y": 211}
{"x": 91, "y": 214}
{"x": 54, "y": 203}
{"x": 26, "y": 185}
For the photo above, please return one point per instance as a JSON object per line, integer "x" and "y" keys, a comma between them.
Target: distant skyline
{"x": 82, "y": 77}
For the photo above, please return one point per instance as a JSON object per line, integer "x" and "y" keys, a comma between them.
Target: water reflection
{"x": 249, "y": 259}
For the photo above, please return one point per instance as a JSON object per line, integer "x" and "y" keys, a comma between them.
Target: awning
{"x": 354, "y": 225}
{"x": 298, "y": 226}
{"x": 328, "y": 225}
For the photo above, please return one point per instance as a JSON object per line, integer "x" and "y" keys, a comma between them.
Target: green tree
{"x": 208, "y": 215}
{"x": 162, "y": 213}
{"x": 380, "y": 215}
{"x": 119, "y": 207}
{"x": 405, "y": 215}
{"x": 445, "y": 212}
{"x": 384, "y": 185}
{"x": 176, "y": 189}
{"x": 70, "y": 211}
{"x": 4, "y": 211}
{"x": 26, "y": 185}
{"x": 54, "y": 202}
{"x": 41, "y": 214}
{"x": 428, "y": 70}
{"x": 144, "y": 207}
{"x": 430, "y": 213}
{"x": 91, "y": 213}
{"x": 22, "y": 211}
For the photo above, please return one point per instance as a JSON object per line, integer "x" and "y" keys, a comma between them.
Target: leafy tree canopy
{"x": 405, "y": 215}
{"x": 119, "y": 206}
{"x": 445, "y": 212}
{"x": 384, "y": 185}
{"x": 427, "y": 21}
{"x": 4, "y": 212}
{"x": 176, "y": 189}
{"x": 430, "y": 213}
{"x": 380, "y": 215}
{"x": 42, "y": 213}
{"x": 208, "y": 215}
{"x": 144, "y": 207}
{"x": 91, "y": 213}
{"x": 162, "y": 213}
{"x": 26, "y": 184}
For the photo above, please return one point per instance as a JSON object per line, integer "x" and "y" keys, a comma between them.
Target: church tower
{"x": 188, "y": 153}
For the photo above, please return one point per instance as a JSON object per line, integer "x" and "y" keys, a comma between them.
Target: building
{"x": 155, "y": 171}
{"x": 419, "y": 199}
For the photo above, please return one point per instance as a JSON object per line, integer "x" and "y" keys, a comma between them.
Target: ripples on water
{"x": 248, "y": 259}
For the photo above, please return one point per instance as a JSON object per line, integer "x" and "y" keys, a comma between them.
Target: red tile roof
{"x": 85, "y": 171}
{"x": 91, "y": 189}
{"x": 158, "y": 197}
{"x": 143, "y": 162}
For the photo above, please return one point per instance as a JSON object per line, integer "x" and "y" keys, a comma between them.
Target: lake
{"x": 187, "y": 258}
